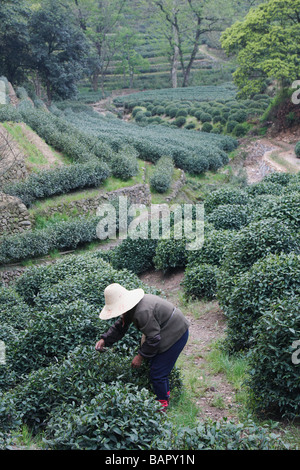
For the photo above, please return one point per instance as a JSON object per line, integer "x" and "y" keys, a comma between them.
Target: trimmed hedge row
{"x": 161, "y": 179}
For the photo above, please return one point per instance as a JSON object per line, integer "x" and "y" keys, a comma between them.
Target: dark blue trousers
{"x": 161, "y": 366}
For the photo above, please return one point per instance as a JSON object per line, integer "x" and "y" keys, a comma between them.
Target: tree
{"x": 58, "y": 48}
{"x": 267, "y": 45}
{"x": 14, "y": 39}
{"x": 130, "y": 60}
{"x": 187, "y": 21}
{"x": 102, "y": 19}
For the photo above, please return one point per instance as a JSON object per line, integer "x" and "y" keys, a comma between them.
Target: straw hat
{"x": 119, "y": 300}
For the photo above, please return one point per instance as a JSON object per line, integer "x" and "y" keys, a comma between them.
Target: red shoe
{"x": 164, "y": 403}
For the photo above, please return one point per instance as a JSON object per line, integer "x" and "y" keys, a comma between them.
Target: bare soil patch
{"x": 269, "y": 154}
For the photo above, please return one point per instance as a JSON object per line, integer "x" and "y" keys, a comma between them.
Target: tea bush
{"x": 124, "y": 164}
{"x": 224, "y": 435}
{"x": 60, "y": 236}
{"x": 270, "y": 279}
{"x": 213, "y": 248}
{"x": 257, "y": 240}
{"x": 226, "y": 195}
{"x": 200, "y": 281}
{"x": 274, "y": 379}
{"x": 112, "y": 420}
{"x": 229, "y": 217}
{"x": 297, "y": 149}
{"x": 136, "y": 254}
{"x": 48, "y": 183}
{"x": 170, "y": 253}
{"x": 161, "y": 179}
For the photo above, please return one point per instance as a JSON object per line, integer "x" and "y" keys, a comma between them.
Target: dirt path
{"x": 103, "y": 106}
{"x": 40, "y": 144}
{"x": 266, "y": 155}
{"x": 215, "y": 397}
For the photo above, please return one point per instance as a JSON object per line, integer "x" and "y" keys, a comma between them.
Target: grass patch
{"x": 35, "y": 159}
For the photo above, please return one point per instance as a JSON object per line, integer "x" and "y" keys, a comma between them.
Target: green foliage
{"x": 111, "y": 421}
{"x": 260, "y": 57}
{"x": 224, "y": 435}
{"x": 134, "y": 254}
{"x": 226, "y": 195}
{"x": 257, "y": 240}
{"x": 170, "y": 253}
{"x": 9, "y": 113}
{"x": 62, "y": 180}
{"x": 213, "y": 249}
{"x": 274, "y": 379}
{"x": 207, "y": 127}
{"x": 124, "y": 164}
{"x": 161, "y": 179}
{"x": 269, "y": 279}
{"x": 58, "y": 70}
{"x": 63, "y": 235}
{"x": 297, "y": 149}
{"x": 229, "y": 217}
{"x": 180, "y": 121}
{"x": 200, "y": 281}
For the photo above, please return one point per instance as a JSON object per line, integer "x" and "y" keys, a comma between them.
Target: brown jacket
{"x": 160, "y": 322}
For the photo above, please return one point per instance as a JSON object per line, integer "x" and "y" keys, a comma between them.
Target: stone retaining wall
{"x": 14, "y": 216}
{"x": 138, "y": 194}
{"x": 12, "y": 161}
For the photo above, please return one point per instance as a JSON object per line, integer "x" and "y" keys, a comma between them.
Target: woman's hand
{"x": 137, "y": 361}
{"x": 100, "y": 345}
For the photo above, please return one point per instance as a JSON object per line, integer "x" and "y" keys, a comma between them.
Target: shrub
{"x": 9, "y": 113}
{"x": 264, "y": 187}
{"x": 180, "y": 121}
{"x": 181, "y": 112}
{"x": 205, "y": 117}
{"x": 110, "y": 421}
{"x": 190, "y": 125}
{"x": 257, "y": 240}
{"x": 231, "y": 125}
{"x": 196, "y": 164}
{"x": 274, "y": 381}
{"x": 229, "y": 216}
{"x": 60, "y": 236}
{"x": 160, "y": 110}
{"x": 172, "y": 112}
{"x": 170, "y": 253}
{"x": 238, "y": 116}
{"x": 200, "y": 281}
{"x": 226, "y": 195}
{"x": 285, "y": 208}
{"x": 224, "y": 435}
{"x": 137, "y": 255}
{"x": 48, "y": 183}
{"x": 297, "y": 149}
{"x": 215, "y": 162}
{"x": 207, "y": 127}
{"x": 136, "y": 110}
{"x": 161, "y": 178}
{"x": 214, "y": 246}
{"x": 267, "y": 281}
{"x": 124, "y": 164}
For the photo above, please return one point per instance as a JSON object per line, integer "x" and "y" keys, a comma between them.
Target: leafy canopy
{"x": 267, "y": 44}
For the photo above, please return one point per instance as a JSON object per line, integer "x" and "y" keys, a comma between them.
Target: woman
{"x": 164, "y": 327}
